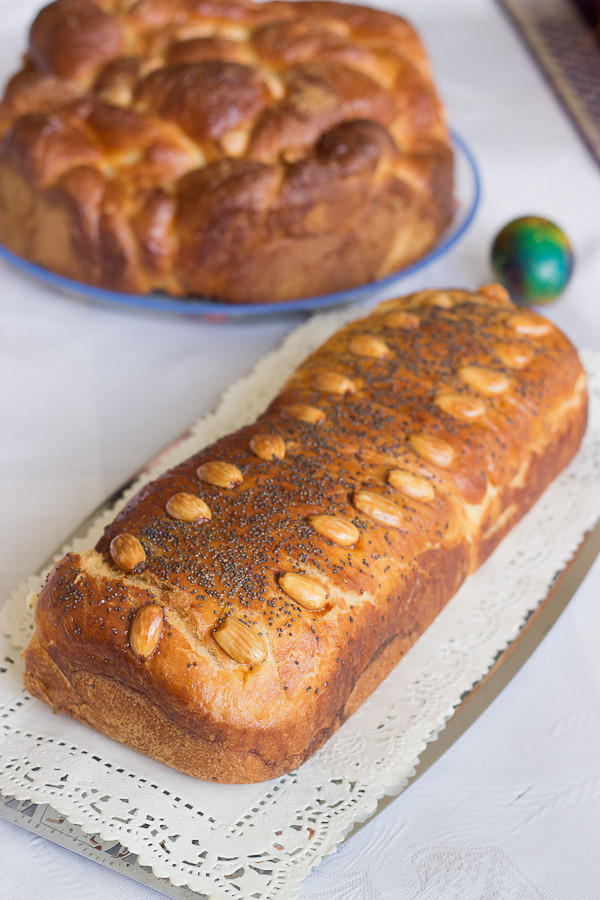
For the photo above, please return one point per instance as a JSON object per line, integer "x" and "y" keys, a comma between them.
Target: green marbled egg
{"x": 532, "y": 258}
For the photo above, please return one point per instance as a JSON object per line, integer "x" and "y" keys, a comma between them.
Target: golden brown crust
{"x": 430, "y": 447}
{"x": 253, "y": 152}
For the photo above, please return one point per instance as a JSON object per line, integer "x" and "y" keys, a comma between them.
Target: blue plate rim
{"x": 217, "y": 309}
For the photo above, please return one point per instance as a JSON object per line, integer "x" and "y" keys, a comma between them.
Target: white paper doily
{"x": 260, "y": 841}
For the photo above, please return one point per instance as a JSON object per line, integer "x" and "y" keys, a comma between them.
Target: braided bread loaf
{"x": 245, "y": 603}
{"x": 245, "y": 151}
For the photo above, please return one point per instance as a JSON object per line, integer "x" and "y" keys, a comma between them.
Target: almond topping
{"x": 146, "y": 630}
{"x": 302, "y": 412}
{"x": 486, "y": 381}
{"x": 333, "y": 383}
{"x": 439, "y": 298}
{"x": 268, "y": 446}
{"x": 497, "y": 293}
{"x": 274, "y": 84}
{"x": 411, "y": 485}
{"x": 513, "y": 355}
{"x": 240, "y": 642}
{"x": 337, "y": 529}
{"x": 369, "y": 346}
{"x": 402, "y": 319}
{"x": 529, "y": 323}
{"x": 379, "y": 508}
{"x": 187, "y": 507}
{"x": 221, "y": 474}
{"x": 303, "y": 590}
{"x": 126, "y": 551}
{"x": 460, "y": 406}
{"x": 293, "y": 155}
{"x": 432, "y": 449}
{"x": 115, "y": 94}
{"x": 234, "y": 142}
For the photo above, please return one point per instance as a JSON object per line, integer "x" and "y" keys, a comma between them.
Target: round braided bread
{"x": 251, "y": 152}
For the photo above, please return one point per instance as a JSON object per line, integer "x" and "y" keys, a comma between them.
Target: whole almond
{"x": 333, "y": 383}
{"x": 240, "y": 642}
{"x": 302, "y": 412}
{"x": 369, "y": 346}
{"x": 529, "y": 323}
{"x": 187, "y": 507}
{"x": 115, "y": 94}
{"x": 432, "y": 449}
{"x": 146, "y": 630}
{"x": 402, "y": 319}
{"x": 497, "y": 293}
{"x": 127, "y": 552}
{"x": 485, "y": 381}
{"x": 440, "y": 299}
{"x": 274, "y": 83}
{"x": 220, "y": 474}
{"x": 303, "y": 590}
{"x": 411, "y": 485}
{"x": 234, "y": 142}
{"x": 460, "y": 407}
{"x": 268, "y": 446}
{"x": 514, "y": 356}
{"x": 379, "y": 508}
{"x": 337, "y": 529}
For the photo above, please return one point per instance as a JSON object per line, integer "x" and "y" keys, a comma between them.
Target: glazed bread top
{"x": 247, "y": 591}
{"x": 221, "y": 146}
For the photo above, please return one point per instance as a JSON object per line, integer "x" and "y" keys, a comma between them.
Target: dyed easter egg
{"x": 533, "y": 259}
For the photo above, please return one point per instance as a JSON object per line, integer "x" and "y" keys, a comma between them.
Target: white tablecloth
{"x": 88, "y": 393}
